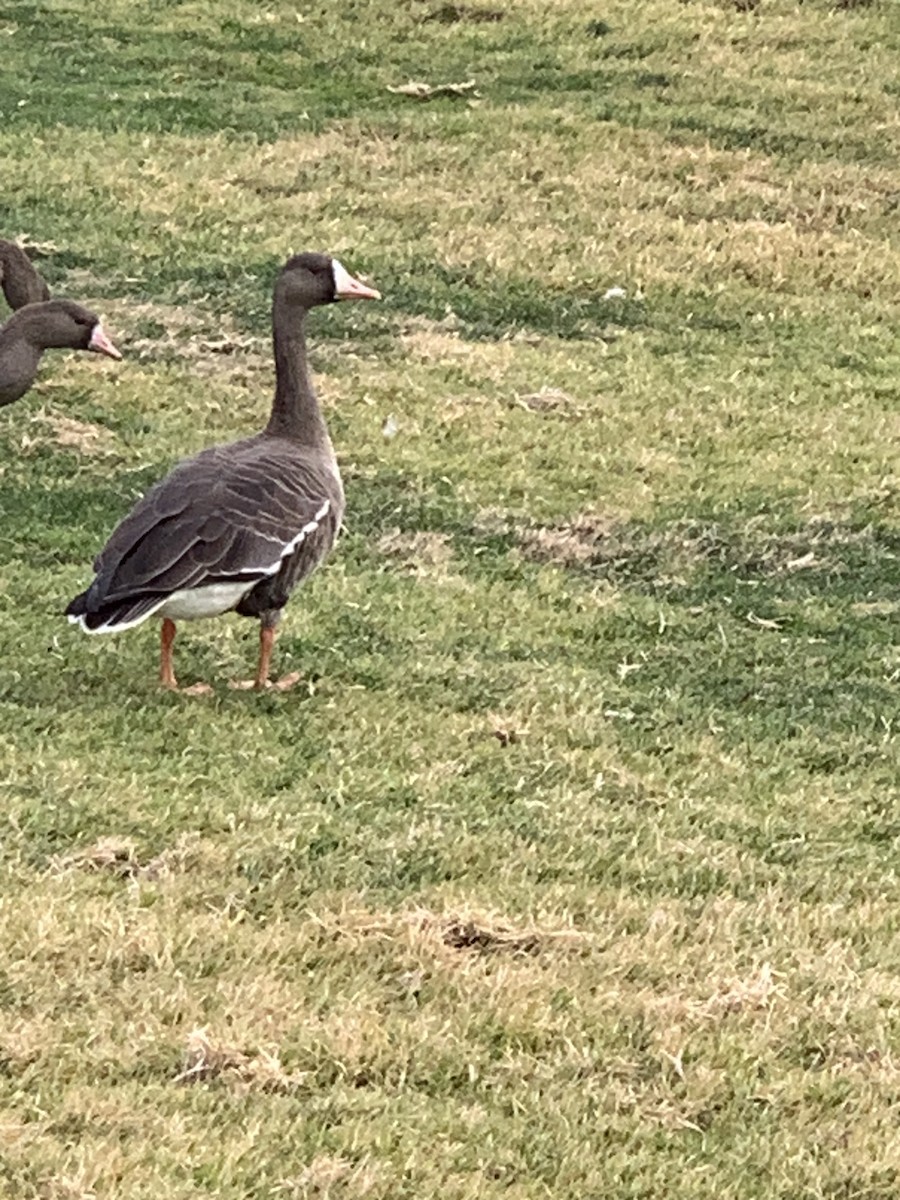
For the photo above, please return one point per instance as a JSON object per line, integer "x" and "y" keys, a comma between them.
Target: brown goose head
{"x": 64, "y": 325}
{"x": 307, "y": 280}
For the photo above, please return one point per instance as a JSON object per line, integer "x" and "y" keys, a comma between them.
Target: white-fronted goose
{"x": 51, "y": 325}
{"x": 237, "y": 527}
{"x": 20, "y": 281}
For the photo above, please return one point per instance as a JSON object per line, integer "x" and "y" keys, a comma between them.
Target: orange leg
{"x": 266, "y": 644}
{"x": 166, "y": 641}
{"x": 267, "y": 635}
{"x": 166, "y": 667}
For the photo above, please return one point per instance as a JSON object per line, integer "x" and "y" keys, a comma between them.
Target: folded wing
{"x": 230, "y": 516}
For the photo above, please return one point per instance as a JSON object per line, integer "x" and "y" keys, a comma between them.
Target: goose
{"x": 19, "y": 280}
{"x": 48, "y": 325}
{"x": 238, "y": 526}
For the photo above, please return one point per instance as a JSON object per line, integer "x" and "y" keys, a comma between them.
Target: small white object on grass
{"x": 615, "y": 293}
{"x": 418, "y": 89}
{"x": 390, "y": 428}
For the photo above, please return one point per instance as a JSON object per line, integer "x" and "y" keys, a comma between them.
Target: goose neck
{"x": 295, "y": 410}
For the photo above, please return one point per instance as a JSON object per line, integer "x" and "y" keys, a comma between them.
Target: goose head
{"x": 65, "y": 325}
{"x": 307, "y": 280}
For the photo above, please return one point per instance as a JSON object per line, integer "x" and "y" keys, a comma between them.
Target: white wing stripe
{"x": 116, "y": 626}
{"x": 292, "y": 545}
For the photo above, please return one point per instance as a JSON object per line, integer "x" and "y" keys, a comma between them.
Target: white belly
{"x": 207, "y": 601}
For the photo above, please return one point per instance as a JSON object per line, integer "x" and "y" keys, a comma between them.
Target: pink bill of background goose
{"x": 237, "y": 527}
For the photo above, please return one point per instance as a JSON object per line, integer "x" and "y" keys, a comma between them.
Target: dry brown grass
{"x": 689, "y": 237}
{"x": 208, "y": 1058}
{"x": 549, "y": 400}
{"x": 116, "y": 854}
{"x": 330, "y": 1175}
{"x": 609, "y": 542}
{"x": 424, "y": 555}
{"x": 483, "y": 932}
{"x": 120, "y": 856}
{"x": 185, "y": 333}
{"x": 573, "y": 544}
{"x": 62, "y": 430}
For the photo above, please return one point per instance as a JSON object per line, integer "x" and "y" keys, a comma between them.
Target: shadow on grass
{"x": 484, "y": 304}
{"x": 150, "y": 71}
{"x": 46, "y": 519}
{"x": 137, "y": 75}
{"x": 754, "y": 621}
{"x": 481, "y": 302}
{"x": 768, "y": 626}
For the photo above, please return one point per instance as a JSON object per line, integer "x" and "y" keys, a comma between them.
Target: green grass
{"x": 570, "y": 869}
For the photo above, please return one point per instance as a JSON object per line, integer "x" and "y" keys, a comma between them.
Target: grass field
{"x": 572, "y": 868}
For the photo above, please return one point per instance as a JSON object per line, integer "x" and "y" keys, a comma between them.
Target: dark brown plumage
{"x": 237, "y": 527}
{"x": 19, "y": 280}
{"x": 50, "y": 325}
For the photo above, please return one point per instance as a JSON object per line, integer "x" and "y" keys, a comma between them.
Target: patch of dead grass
{"x": 506, "y": 732}
{"x": 737, "y": 214}
{"x": 432, "y": 341}
{"x": 25, "y": 1039}
{"x": 549, "y": 400}
{"x": 419, "y": 89}
{"x": 330, "y": 1175}
{"x": 465, "y": 929}
{"x": 572, "y": 544}
{"x": 87, "y": 438}
{"x": 452, "y": 14}
{"x": 755, "y": 992}
{"x": 610, "y": 541}
{"x": 119, "y": 856}
{"x": 208, "y": 1058}
{"x": 188, "y": 334}
{"x": 487, "y": 939}
{"x": 423, "y": 553}
{"x": 69, "y": 1186}
{"x": 113, "y": 854}
{"x": 685, "y": 215}
{"x": 174, "y": 318}
{"x": 429, "y": 341}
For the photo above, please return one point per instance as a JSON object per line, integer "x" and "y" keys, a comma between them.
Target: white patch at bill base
{"x": 343, "y": 280}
